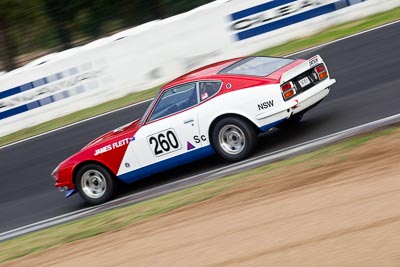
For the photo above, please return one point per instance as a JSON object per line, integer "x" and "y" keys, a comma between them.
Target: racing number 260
{"x": 163, "y": 142}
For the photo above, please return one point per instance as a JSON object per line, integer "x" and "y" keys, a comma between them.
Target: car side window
{"x": 174, "y": 100}
{"x": 208, "y": 89}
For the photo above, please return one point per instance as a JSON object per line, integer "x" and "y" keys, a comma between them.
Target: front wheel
{"x": 233, "y": 138}
{"x": 95, "y": 184}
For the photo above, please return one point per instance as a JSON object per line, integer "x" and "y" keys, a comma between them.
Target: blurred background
{"x": 31, "y": 29}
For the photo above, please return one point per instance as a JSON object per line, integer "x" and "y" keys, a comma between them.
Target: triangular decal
{"x": 190, "y": 146}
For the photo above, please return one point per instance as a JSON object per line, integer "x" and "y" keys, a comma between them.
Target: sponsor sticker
{"x": 313, "y": 61}
{"x": 190, "y": 146}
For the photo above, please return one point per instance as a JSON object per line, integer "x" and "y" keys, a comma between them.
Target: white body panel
{"x": 184, "y": 126}
{"x": 263, "y": 105}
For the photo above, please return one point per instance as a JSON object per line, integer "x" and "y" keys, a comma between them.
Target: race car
{"x": 220, "y": 108}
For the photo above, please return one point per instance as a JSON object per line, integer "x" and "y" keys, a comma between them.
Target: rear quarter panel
{"x": 248, "y": 102}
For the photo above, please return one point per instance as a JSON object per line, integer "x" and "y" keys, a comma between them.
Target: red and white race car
{"x": 220, "y": 108}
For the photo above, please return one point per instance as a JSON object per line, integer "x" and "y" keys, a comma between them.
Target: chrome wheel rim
{"x": 93, "y": 184}
{"x": 232, "y": 139}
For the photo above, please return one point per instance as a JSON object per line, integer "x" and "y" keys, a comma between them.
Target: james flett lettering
{"x": 111, "y": 146}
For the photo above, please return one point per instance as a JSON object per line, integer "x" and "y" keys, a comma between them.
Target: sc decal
{"x": 198, "y": 139}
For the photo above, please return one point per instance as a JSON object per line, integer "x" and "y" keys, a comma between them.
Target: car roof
{"x": 207, "y": 72}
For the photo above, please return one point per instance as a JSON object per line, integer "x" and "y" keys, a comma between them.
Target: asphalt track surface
{"x": 366, "y": 68}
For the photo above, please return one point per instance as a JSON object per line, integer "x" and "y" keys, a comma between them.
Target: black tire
{"x": 233, "y": 138}
{"x": 95, "y": 184}
{"x": 292, "y": 122}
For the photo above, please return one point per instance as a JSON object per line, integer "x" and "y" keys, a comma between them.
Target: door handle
{"x": 188, "y": 121}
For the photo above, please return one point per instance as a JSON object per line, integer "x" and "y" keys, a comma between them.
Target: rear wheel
{"x": 233, "y": 138}
{"x": 95, "y": 184}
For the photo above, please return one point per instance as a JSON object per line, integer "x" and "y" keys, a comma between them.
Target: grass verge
{"x": 118, "y": 218}
{"x": 290, "y": 47}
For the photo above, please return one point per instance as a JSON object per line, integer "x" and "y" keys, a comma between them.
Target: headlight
{"x": 54, "y": 173}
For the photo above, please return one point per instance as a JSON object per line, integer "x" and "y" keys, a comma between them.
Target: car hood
{"x": 122, "y": 131}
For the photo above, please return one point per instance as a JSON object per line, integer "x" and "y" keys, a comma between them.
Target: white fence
{"x": 153, "y": 53}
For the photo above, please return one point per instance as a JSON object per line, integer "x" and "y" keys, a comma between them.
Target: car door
{"x": 167, "y": 138}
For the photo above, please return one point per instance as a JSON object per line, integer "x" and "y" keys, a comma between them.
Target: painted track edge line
{"x": 205, "y": 177}
{"x": 144, "y": 101}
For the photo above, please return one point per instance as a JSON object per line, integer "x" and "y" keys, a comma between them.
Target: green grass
{"x": 290, "y": 47}
{"x": 116, "y": 219}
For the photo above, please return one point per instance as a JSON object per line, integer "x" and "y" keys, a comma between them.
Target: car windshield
{"x": 257, "y": 66}
{"x": 171, "y": 101}
{"x": 149, "y": 108}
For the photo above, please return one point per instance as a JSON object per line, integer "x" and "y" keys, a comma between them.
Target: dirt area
{"x": 339, "y": 211}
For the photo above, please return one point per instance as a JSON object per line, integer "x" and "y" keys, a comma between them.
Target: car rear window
{"x": 257, "y": 66}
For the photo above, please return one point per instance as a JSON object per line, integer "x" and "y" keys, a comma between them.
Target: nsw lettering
{"x": 266, "y": 105}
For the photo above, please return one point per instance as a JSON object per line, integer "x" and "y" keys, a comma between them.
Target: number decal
{"x": 171, "y": 137}
{"x": 163, "y": 142}
{"x": 153, "y": 140}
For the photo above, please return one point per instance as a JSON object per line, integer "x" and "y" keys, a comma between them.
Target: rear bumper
{"x": 310, "y": 97}
{"x": 295, "y": 105}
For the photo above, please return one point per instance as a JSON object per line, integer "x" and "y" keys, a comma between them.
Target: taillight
{"x": 321, "y": 72}
{"x": 288, "y": 90}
